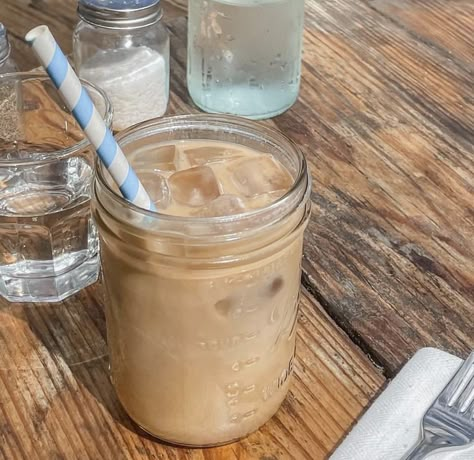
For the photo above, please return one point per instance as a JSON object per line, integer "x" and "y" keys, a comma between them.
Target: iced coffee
{"x": 203, "y": 294}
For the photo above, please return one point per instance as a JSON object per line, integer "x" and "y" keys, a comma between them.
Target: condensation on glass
{"x": 244, "y": 56}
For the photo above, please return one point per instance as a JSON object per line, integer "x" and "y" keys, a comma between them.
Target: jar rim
{"x": 299, "y": 192}
{"x": 61, "y": 152}
{"x": 110, "y": 17}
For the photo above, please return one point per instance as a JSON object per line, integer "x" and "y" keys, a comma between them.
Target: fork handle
{"x": 421, "y": 450}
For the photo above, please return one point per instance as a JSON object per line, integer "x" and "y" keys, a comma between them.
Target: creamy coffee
{"x": 201, "y": 329}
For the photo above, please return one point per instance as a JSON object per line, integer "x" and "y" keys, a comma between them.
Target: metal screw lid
{"x": 4, "y": 44}
{"x": 120, "y": 14}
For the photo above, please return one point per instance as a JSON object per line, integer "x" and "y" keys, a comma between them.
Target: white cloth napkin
{"x": 391, "y": 426}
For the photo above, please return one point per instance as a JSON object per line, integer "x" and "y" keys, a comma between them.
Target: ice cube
{"x": 157, "y": 187}
{"x": 264, "y": 200}
{"x": 225, "y": 205}
{"x": 166, "y": 153}
{"x": 158, "y": 159}
{"x": 165, "y": 167}
{"x": 181, "y": 160}
{"x": 262, "y": 174}
{"x": 194, "y": 187}
{"x": 165, "y": 158}
{"x": 200, "y": 156}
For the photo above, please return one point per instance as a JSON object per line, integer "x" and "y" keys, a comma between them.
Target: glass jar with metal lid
{"x": 7, "y": 64}
{"x": 123, "y": 47}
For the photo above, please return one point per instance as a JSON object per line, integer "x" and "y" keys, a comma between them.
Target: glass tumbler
{"x": 201, "y": 312}
{"x": 48, "y": 242}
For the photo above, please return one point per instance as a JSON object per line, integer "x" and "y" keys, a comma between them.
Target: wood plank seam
{"x": 356, "y": 338}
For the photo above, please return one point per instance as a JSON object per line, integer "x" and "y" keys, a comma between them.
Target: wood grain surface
{"x": 386, "y": 121}
{"x": 56, "y": 400}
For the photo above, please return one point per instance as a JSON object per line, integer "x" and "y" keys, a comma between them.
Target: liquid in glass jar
{"x": 203, "y": 296}
{"x": 244, "y": 56}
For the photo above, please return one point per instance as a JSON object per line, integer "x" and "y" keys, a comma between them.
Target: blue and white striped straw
{"x": 78, "y": 101}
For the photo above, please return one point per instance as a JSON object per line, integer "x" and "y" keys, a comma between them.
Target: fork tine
{"x": 449, "y": 422}
{"x": 467, "y": 398}
{"x": 455, "y": 390}
{"x": 470, "y": 413}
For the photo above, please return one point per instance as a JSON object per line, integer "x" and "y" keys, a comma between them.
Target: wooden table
{"x": 385, "y": 119}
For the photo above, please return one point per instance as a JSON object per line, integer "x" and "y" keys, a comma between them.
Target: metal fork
{"x": 449, "y": 422}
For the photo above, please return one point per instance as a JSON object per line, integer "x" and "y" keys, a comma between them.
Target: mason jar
{"x": 201, "y": 312}
{"x": 244, "y": 56}
{"x": 123, "y": 47}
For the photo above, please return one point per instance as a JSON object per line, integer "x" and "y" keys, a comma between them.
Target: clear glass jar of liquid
{"x": 244, "y": 56}
{"x": 122, "y": 46}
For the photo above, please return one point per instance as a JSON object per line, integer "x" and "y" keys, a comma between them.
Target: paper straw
{"x": 78, "y": 101}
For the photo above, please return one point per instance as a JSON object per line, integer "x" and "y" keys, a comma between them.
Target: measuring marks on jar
{"x": 248, "y": 397}
{"x": 235, "y": 393}
{"x": 237, "y": 366}
{"x": 227, "y": 343}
